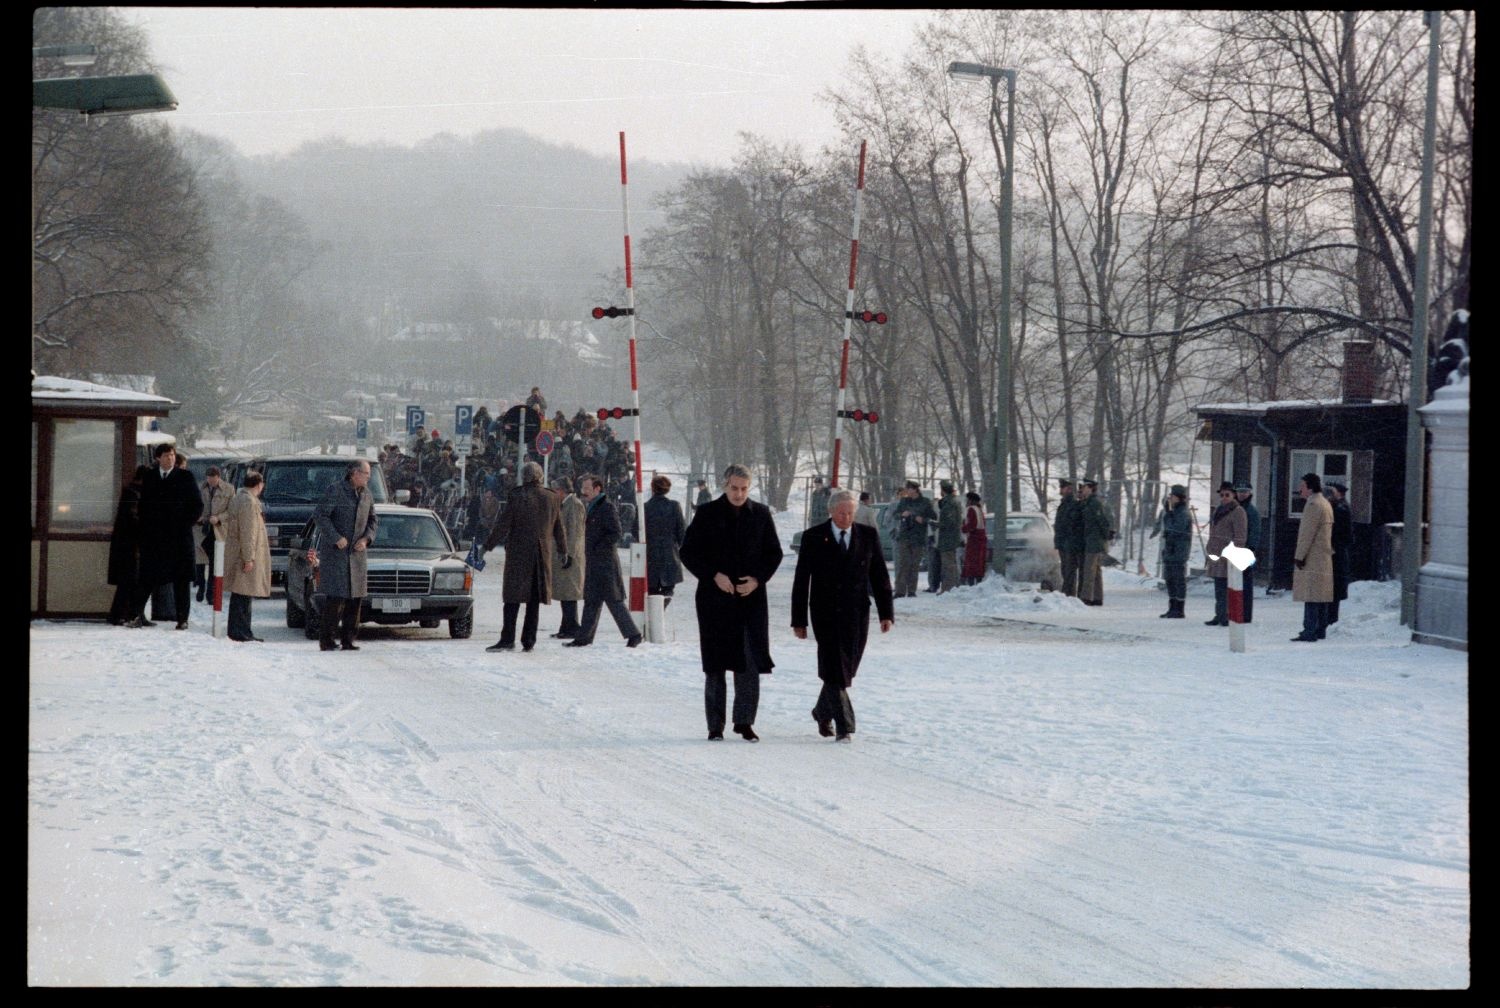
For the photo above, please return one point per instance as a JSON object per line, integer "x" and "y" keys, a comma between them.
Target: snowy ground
{"x": 1039, "y": 794}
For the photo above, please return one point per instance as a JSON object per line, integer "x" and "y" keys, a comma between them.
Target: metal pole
{"x": 1416, "y": 436}
{"x": 838, "y": 409}
{"x": 1001, "y": 501}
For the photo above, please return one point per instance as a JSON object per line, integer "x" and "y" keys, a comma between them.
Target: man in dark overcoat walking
{"x": 528, "y": 527}
{"x": 732, "y": 548}
{"x": 839, "y": 566}
{"x": 602, "y": 584}
{"x": 169, "y": 510}
{"x": 346, "y": 521}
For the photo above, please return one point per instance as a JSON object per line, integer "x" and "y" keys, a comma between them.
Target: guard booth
{"x": 83, "y": 447}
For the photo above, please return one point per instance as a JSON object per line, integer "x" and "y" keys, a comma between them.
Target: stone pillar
{"x": 1443, "y": 583}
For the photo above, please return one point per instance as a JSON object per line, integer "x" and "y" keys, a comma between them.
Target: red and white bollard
{"x": 217, "y": 581}
{"x": 1237, "y": 560}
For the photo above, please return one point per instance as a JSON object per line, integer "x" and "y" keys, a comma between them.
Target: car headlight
{"x": 448, "y": 581}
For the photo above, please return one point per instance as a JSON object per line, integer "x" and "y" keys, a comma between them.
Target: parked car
{"x": 294, "y": 485}
{"x": 229, "y": 466}
{"x": 416, "y": 575}
{"x": 1029, "y": 554}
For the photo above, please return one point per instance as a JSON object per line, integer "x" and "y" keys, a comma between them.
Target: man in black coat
{"x": 1343, "y": 543}
{"x": 838, "y": 567}
{"x": 169, "y": 510}
{"x": 602, "y": 585}
{"x": 733, "y": 550}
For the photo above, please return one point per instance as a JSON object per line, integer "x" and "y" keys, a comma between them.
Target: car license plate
{"x": 395, "y": 604}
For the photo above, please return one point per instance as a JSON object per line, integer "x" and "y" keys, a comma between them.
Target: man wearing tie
{"x": 839, "y": 566}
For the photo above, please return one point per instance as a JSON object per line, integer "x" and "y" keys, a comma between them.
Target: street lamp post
{"x": 980, "y": 72}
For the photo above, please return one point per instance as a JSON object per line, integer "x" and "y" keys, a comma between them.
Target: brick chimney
{"x": 1359, "y": 371}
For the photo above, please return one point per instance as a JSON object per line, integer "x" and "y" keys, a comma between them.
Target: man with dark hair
{"x": 732, "y": 549}
{"x": 346, "y": 521}
{"x": 949, "y": 536}
{"x": 1176, "y": 530}
{"x": 1312, "y": 580}
{"x": 529, "y": 528}
{"x": 602, "y": 584}
{"x": 169, "y": 509}
{"x": 1067, "y": 537}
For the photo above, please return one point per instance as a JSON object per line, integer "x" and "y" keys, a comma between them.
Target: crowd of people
{"x": 427, "y": 466}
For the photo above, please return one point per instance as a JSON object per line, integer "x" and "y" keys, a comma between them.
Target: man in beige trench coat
{"x": 1312, "y": 580}
{"x": 247, "y": 556}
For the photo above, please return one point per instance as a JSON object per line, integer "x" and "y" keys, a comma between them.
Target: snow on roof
{"x": 1256, "y": 408}
{"x": 56, "y": 389}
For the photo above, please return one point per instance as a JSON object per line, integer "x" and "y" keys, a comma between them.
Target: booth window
{"x": 1327, "y": 464}
{"x": 86, "y": 475}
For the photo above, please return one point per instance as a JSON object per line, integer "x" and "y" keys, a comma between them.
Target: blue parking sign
{"x": 463, "y": 420}
{"x": 416, "y": 419}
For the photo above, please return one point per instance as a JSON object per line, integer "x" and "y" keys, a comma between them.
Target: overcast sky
{"x": 681, "y": 84}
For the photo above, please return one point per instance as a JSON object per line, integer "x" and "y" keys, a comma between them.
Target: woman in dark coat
{"x": 733, "y": 550}
{"x": 125, "y": 549}
{"x": 664, "y": 531}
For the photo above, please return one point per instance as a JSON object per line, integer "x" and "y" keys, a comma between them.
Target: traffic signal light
{"x": 858, "y": 414}
{"x": 612, "y": 312}
{"x": 878, "y": 317}
{"x": 616, "y": 412}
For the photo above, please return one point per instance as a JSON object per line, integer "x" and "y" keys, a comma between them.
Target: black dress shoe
{"x": 634, "y": 641}
{"x": 1215, "y": 622}
{"x": 347, "y": 646}
{"x": 563, "y": 635}
{"x": 716, "y": 736}
{"x": 825, "y": 728}
{"x": 1305, "y": 638}
{"x": 746, "y": 732}
{"x": 502, "y": 646}
{"x": 843, "y": 737}
{"x": 575, "y": 642}
{"x": 527, "y": 647}
{"x": 327, "y": 647}
{"x": 182, "y": 624}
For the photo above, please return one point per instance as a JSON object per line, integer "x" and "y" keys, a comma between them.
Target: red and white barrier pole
{"x": 637, "y": 548}
{"x": 217, "y": 580}
{"x": 838, "y": 409}
{"x": 1236, "y": 603}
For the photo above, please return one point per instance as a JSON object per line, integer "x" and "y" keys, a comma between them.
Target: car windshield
{"x": 304, "y": 483}
{"x": 413, "y": 531}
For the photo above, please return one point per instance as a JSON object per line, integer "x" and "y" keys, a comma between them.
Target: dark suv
{"x": 294, "y": 485}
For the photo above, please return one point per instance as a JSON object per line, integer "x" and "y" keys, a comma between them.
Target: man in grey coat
{"x": 346, "y": 522}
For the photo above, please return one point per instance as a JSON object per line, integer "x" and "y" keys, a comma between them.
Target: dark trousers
{"x": 528, "y": 626}
{"x": 239, "y": 617}
{"x": 1248, "y": 594}
{"x": 569, "y": 617}
{"x": 590, "y": 621}
{"x": 1315, "y": 619}
{"x": 1072, "y": 571}
{"x": 934, "y": 568}
{"x": 177, "y": 594}
{"x": 746, "y": 694}
{"x": 341, "y": 614}
{"x": 1176, "y": 577}
{"x": 122, "y": 609}
{"x": 1221, "y": 599}
{"x": 1091, "y": 578}
{"x": 833, "y": 705}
